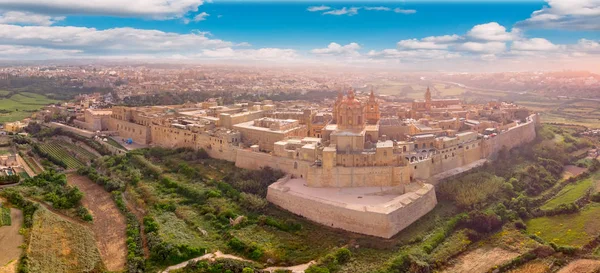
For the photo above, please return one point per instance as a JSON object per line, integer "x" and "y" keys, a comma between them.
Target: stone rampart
{"x": 381, "y": 220}
{"x": 511, "y": 138}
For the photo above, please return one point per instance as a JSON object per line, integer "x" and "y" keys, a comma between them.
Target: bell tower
{"x": 428, "y": 99}
{"x": 372, "y": 109}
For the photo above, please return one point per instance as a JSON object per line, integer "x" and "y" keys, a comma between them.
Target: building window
{"x": 295, "y": 165}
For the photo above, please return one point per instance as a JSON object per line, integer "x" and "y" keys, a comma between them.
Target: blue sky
{"x": 357, "y": 32}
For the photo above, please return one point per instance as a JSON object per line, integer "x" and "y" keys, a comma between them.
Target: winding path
{"x": 218, "y": 255}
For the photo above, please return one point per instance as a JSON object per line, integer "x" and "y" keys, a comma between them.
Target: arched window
{"x": 404, "y": 148}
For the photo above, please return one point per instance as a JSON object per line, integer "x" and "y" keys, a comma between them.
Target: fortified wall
{"x": 373, "y": 217}
{"x": 513, "y": 137}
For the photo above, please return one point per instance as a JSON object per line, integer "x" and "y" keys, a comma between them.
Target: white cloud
{"x": 378, "y": 8}
{"x": 350, "y": 49}
{"x": 405, "y": 11}
{"x": 412, "y": 55}
{"x": 491, "y": 32}
{"x": 488, "y": 47}
{"x": 442, "y": 39}
{"x": 201, "y": 17}
{"x": 534, "y": 44}
{"x": 566, "y": 14}
{"x": 34, "y": 53}
{"x": 343, "y": 11}
{"x": 318, "y": 8}
{"x": 28, "y": 18}
{"x": 156, "y": 9}
{"x": 121, "y": 40}
{"x": 587, "y": 45}
{"x": 416, "y": 44}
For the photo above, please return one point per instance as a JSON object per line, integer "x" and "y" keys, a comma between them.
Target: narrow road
{"x": 219, "y": 255}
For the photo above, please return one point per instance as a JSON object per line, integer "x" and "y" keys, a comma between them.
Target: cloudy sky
{"x": 441, "y": 35}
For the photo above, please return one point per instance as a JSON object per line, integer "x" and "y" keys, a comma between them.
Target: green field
{"x": 58, "y": 245}
{"x": 568, "y": 229}
{"x": 569, "y": 194}
{"x": 60, "y": 152}
{"x": 21, "y": 105}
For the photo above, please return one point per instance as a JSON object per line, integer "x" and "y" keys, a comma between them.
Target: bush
{"x": 84, "y": 214}
{"x": 471, "y": 189}
{"x": 343, "y": 255}
{"x": 596, "y": 197}
{"x": 253, "y": 202}
{"x": 483, "y": 222}
{"x": 520, "y": 225}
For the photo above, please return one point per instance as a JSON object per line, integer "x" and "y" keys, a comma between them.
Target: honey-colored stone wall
{"x": 384, "y": 220}
{"x": 138, "y": 133}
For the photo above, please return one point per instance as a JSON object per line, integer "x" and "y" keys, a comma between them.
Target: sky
{"x": 418, "y": 35}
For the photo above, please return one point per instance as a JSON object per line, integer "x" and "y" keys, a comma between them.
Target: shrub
{"x": 84, "y": 214}
{"x": 471, "y": 189}
{"x": 343, "y": 255}
{"x": 483, "y": 222}
{"x": 596, "y": 197}
{"x": 520, "y": 225}
{"x": 253, "y": 202}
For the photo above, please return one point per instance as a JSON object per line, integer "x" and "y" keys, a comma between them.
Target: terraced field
{"x": 81, "y": 152}
{"x": 59, "y": 151}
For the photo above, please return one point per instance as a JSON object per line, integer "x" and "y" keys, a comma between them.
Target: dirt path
{"x": 10, "y": 240}
{"x": 219, "y": 255}
{"x": 109, "y": 224}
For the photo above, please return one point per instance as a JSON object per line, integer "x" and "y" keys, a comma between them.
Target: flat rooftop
{"x": 358, "y": 196}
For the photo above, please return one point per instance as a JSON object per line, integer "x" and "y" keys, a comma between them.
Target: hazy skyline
{"x": 420, "y": 35}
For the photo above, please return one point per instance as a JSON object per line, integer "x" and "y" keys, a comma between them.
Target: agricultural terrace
{"x": 21, "y": 105}
{"x": 575, "y": 229}
{"x": 78, "y": 150}
{"x": 59, "y": 152}
{"x": 572, "y": 192}
{"x": 60, "y": 245}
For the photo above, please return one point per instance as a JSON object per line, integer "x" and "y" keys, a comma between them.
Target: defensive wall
{"x": 138, "y": 133}
{"x": 71, "y": 129}
{"x": 511, "y": 138}
{"x": 381, "y": 220}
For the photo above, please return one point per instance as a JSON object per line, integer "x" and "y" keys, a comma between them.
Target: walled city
{"x": 359, "y": 162}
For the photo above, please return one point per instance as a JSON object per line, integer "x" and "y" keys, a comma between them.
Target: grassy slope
{"x": 568, "y": 229}
{"x": 569, "y": 194}
{"x": 57, "y": 245}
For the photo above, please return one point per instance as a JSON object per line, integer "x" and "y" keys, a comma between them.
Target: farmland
{"x": 58, "y": 151}
{"x": 108, "y": 225}
{"x": 59, "y": 245}
{"x": 570, "y": 193}
{"x": 568, "y": 229}
{"x": 21, "y": 105}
